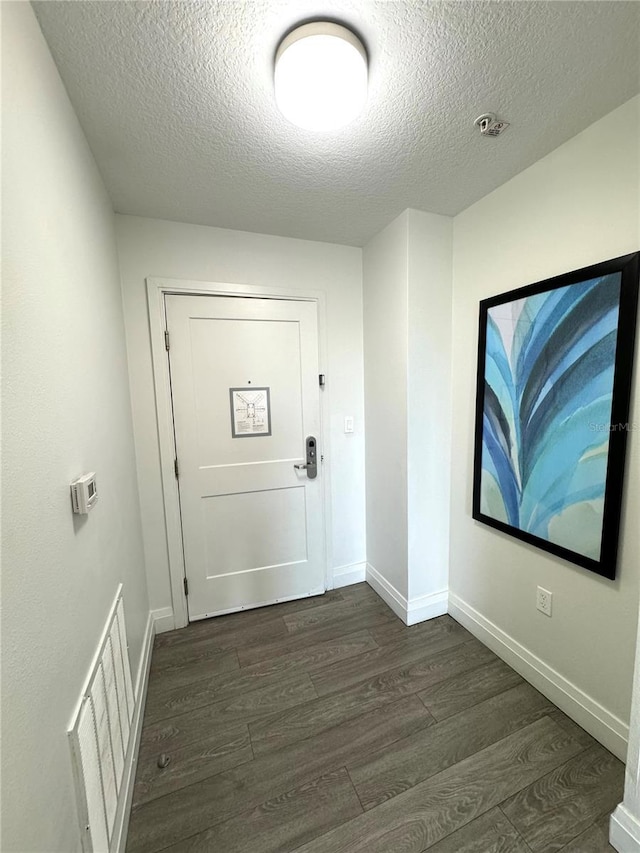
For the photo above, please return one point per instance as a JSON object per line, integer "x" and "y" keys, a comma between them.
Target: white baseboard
{"x": 605, "y": 727}
{"x": 429, "y": 606}
{"x": 624, "y": 833}
{"x": 387, "y": 592}
{"x": 412, "y": 610}
{"x": 348, "y": 575}
{"x": 121, "y": 826}
{"x": 163, "y": 619}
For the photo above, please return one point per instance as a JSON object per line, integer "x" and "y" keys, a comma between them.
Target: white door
{"x": 244, "y": 383}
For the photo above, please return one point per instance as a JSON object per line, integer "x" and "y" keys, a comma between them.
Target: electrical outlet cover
{"x": 543, "y": 601}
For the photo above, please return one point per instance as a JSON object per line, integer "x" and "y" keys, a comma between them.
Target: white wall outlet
{"x": 348, "y": 423}
{"x": 543, "y": 601}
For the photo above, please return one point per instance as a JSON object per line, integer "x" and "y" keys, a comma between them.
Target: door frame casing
{"x": 157, "y": 289}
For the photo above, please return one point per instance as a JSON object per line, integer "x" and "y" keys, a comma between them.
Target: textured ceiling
{"x": 177, "y": 102}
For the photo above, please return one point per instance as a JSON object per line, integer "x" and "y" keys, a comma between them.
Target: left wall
{"x": 66, "y": 411}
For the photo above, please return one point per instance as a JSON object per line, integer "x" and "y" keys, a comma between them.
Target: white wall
{"x": 407, "y": 281}
{"x": 168, "y": 249}
{"x": 384, "y": 268}
{"x": 65, "y": 411}
{"x": 430, "y": 286}
{"x": 577, "y": 206}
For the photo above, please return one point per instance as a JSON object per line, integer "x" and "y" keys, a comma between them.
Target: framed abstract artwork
{"x": 552, "y": 411}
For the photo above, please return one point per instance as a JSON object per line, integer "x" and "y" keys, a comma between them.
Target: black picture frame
{"x": 518, "y": 400}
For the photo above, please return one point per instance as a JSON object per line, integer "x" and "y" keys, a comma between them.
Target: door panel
{"x": 276, "y": 519}
{"x": 235, "y": 350}
{"x": 253, "y": 528}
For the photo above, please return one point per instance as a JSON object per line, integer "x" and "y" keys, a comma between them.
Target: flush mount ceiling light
{"x": 321, "y": 76}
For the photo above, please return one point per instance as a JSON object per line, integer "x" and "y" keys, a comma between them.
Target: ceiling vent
{"x": 491, "y": 126}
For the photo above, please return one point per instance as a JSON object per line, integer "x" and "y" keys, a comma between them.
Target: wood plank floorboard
{"x": 285, "y": 727}
{"x": 165, "y": 700}
{"x": 341, "y": 611}
{"x": 247, "y": 620}
{"x": 316, "y": 656}
{"x": 234, "y": 638}
{"x": 489, "y": 833}
{"x": 205, "y": 757}
{"x": 400, "y": 652}
{"x": 191, "y": 810}
{"x": 388, "y": 772}
{"x": 358, "y": 590}
{"x": 362, "y": 620}
{"x": 455, "y": 694}
{"x": 187, "y": 654}
{"x": 326, "y": 725}
{"x": 573, "y": 728}
{"x": 179, "y": 731}
{"x": 387, "y": 633}
{"x": 595, "y": 839}
{"x": 416, "y": 819}
{"x": 558, "y": 807}
{"x": 284, "y": 822}
{"x": 166, "y": 675}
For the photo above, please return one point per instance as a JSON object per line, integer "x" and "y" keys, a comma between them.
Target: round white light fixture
{"x": 321, "y": 76}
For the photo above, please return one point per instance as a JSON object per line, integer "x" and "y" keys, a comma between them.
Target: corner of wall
{"x": 624, "y": 831}
{"x": 411, "y": 611}
{"x": 385, "y": 375}
{"x": 163, "y": 620}
{"x": 348, "y": 575}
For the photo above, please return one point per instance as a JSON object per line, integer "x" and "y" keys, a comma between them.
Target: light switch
{"x": 348, "y": 423}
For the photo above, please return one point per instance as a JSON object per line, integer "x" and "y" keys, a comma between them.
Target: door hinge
{"x": 166, "y": 340}
{"x": 176, "y": 468}
{"x": 186, "y": 587}
{"x": 321, "y": 380}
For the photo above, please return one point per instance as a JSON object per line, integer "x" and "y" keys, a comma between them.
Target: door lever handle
{"x": 311, "y": 465}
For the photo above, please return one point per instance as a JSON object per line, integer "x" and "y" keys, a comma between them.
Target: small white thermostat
{"x": 84, "y": 493}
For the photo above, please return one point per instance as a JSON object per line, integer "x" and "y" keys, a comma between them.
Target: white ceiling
{"x": 176, "y": 100}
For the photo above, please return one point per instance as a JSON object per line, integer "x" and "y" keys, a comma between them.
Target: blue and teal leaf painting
{"x": 549, "y": 366}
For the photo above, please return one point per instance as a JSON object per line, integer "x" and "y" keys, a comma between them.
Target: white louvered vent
{"x": 99, "y": 734}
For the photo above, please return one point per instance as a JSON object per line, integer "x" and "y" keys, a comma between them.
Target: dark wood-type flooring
{"x": 326, "y": 725}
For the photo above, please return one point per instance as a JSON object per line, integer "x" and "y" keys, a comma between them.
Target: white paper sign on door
{"x": 250, "y": 412}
